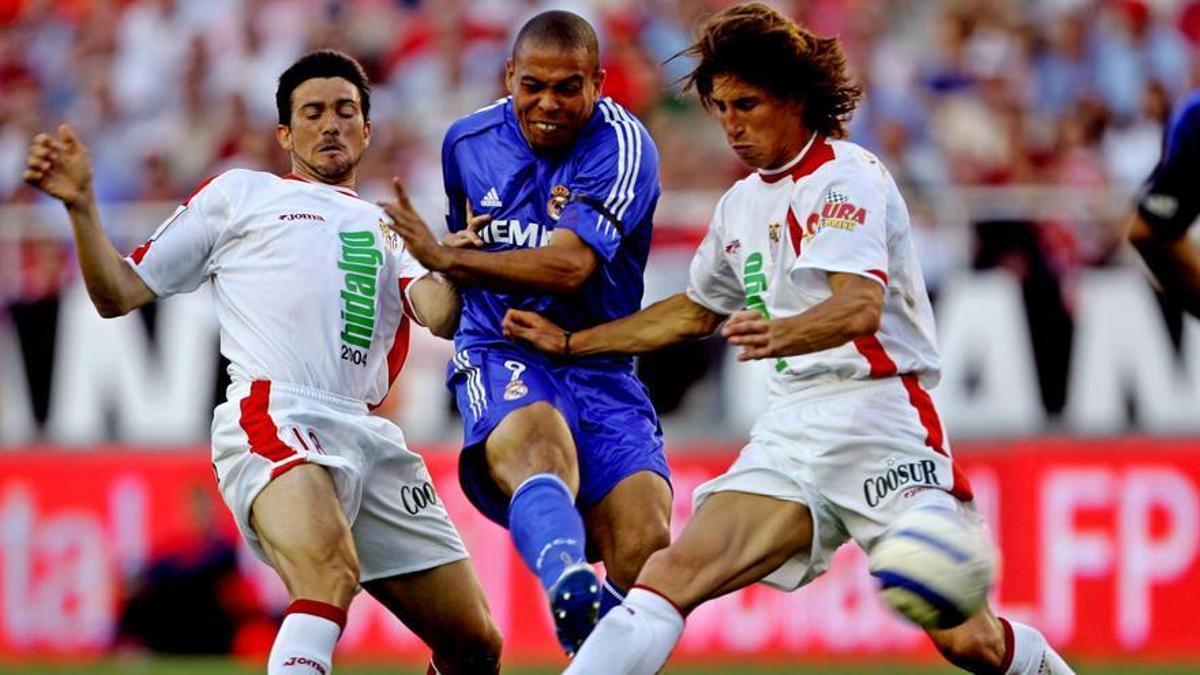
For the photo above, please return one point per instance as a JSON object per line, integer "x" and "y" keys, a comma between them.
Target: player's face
{"x": 328, "y": 134}
{"x": 554, "y": 92}
{"x": 765, "y": 131}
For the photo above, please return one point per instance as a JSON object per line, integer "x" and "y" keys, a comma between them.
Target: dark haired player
{"x": 811, "y": 260}
{"x": 1167, "y": 209}
{"x": 554, "y": 450}
{"x": 313, "y": 295}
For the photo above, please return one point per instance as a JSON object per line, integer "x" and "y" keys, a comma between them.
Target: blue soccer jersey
{"x": 1169, "y": 202}
{"x": 604, "y": 190}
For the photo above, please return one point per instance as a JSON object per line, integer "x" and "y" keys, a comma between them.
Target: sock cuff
{"x": 542, "y": 479}
{"x": 646, "y": 594}
{"x": 614, "y": 589}
{"x": 1009, "y": 645}
{"x": 319, "y": 609}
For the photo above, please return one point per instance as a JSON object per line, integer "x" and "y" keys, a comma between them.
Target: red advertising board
{"x": 1101, "y": 544}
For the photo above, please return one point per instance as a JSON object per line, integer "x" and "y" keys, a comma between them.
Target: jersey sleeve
{"x": 1169, "y": 201}
{"x": 408, "y": 270}
{"x": 712, "y": 282}
{"x": 456, "y": 194}
{"x": 177, "y": 257}
{"x": 616, "y": 185}
{"x": 844, "y": 232}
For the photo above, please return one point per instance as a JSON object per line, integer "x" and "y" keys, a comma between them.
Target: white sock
{"x": 304, "y": 645}
{"x": 633, "y": 639}
{"x": 1030, "y": 654}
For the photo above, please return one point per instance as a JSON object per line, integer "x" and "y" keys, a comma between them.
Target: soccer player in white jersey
{"x": 811, "y": 259}
{"x": 313, "y": 295}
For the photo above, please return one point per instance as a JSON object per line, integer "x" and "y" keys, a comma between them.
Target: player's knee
{"x": 633, "y": 547}
{"x": 325, "y": 571}
{"x": 973, "y": 646}
{"x": 472, "y": 651}
{"x": 666, "y": 564}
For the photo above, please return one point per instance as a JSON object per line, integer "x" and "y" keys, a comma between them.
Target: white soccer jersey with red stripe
{"x": 307, "y": 281}
{"x": 775, "y": 237}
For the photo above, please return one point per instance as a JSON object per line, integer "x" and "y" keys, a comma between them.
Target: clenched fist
{"x": 61, "y": 167}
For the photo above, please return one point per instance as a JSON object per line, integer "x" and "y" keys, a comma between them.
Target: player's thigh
{"x": 631, "y": 522}
{"x": 444, "y": 606}
{"x": 303, "y": 531}
{"x": 976, "y": 645}
{"x": 733, "y": 540}
{"x": 530, "y": 440}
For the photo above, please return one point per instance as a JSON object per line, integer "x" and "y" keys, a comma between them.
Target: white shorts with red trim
{"x": 857, "y": 453}
{"x": 266, "y": 428}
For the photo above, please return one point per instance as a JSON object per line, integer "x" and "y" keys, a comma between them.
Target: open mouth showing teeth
{"x": 546, "y": 127}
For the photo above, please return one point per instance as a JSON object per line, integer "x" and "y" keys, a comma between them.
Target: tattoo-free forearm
{"x": 114, "y": 288}
{"x": 667, "y": 322}
{"x": 851, "y": 312}
{"x": 536, "y": 269}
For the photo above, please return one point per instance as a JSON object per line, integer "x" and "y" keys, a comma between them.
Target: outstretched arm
{"x": 560, "y": 267}
{"x": 1174, "y": 262}
{"x": 854, "y": 310}
{"x": 667, "y": 322}
{"x": 62, "y": 168}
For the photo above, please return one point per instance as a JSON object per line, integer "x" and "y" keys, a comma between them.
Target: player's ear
{"x": 598, "y": 80}
{"x": 510, "y": 71}
{"x": 283, "y": 134}
{"x": 366, "y": 134}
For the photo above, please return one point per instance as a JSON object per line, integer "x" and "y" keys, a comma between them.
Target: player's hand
{"x": 751, "y": 331}
{"x": 61, "y": 167}
{"x": 412, "y": 229}
{"x": 535, "y": 329}
{"x": 469, "y": 237}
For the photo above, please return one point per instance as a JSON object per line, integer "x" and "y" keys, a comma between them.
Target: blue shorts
{"x": 608, "y": 410}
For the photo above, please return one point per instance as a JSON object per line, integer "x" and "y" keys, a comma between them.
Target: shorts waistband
{"x": 239, "y": 390}
{"x": 833, "y": 387}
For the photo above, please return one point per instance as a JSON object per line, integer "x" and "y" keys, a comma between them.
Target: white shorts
{"x": 265, "y": 428}
{"x": 857, "y": 454}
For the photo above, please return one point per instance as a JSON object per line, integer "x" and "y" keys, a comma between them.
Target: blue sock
{"x": 611, "y": 595}
{"x": 545, "y": 527}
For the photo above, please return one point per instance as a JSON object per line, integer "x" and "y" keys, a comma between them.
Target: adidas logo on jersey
{"x": 491, "y": 199}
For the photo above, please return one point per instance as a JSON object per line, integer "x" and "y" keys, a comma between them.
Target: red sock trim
{"x": 317, "y": 608}
{"x": 662, "y": 595}
{"x": 1009, "y": 645}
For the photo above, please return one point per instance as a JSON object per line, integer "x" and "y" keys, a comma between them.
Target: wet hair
{"x": 562, "y": 30}
{"x": 764, "y": 48}
{"x": 321, "y": 63}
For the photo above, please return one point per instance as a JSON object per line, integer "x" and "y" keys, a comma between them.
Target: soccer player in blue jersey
{"x": 567, "y": 455}
{"x": 1167, "y": 208}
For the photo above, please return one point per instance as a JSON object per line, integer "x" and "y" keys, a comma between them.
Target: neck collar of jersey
{"x": 799, "y": 166}
{"x": 344, "y": 190}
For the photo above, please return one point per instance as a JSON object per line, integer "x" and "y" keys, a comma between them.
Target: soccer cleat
{"x": 575, "y": 605}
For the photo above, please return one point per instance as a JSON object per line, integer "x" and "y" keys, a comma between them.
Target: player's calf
{"x": 477, "y": 653}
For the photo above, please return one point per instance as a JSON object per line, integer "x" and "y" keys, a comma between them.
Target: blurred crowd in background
{"x": 982, "y": 98}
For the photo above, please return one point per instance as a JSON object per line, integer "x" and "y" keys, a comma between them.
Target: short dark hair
{"x": 321, "y": 63}
{"x": 561, "y": 29}
{"x": 762, "y": 47}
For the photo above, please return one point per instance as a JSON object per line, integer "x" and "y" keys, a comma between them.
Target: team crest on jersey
{"x": 559, "y": 196}
{"x": 774, "y": 239}
{"x": 390, "y": 239}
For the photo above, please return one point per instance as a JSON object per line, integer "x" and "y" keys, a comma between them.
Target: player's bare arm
{"x": 62, "y": 168}
{"x": 854, "y": 310}
{"x": 1174, "y": 263}
{"x": 560, "y": 267}
{"x": 666, "y": 322}
{"x": 436, "y": 303}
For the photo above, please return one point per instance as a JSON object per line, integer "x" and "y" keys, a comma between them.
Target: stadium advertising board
{"x": 1101, "y": 550}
